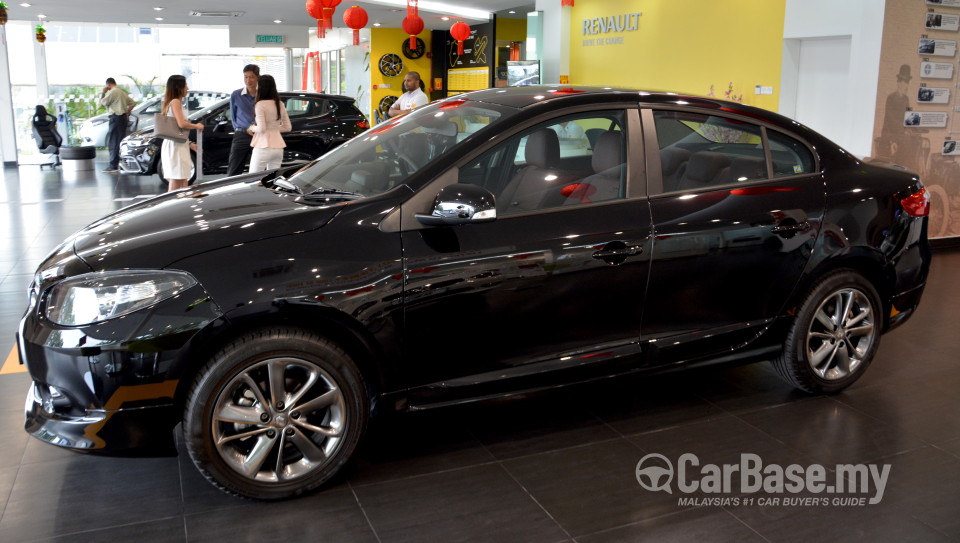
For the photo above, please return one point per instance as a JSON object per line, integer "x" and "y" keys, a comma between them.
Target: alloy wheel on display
{"x": 279, "y": 420}
{"x": 841, "y": 334}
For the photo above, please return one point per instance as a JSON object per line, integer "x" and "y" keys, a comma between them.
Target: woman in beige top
{"x": 271, "y": 119}
{"x": 175, "y": 157}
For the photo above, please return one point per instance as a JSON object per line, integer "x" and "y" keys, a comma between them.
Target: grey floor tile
{"x": 481, "y": 503}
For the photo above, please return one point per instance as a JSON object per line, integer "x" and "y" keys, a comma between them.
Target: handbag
{"x": 167, "y": 128}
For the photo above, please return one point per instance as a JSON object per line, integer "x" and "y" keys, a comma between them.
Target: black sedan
{"x": 320, "y": 123}
{"x": 499, "y": 241}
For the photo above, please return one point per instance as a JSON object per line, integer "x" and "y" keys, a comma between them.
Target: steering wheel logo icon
{"x": 655, "y": 473}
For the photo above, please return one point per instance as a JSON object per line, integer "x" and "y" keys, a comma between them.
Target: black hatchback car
{"x": 320, "y": 123}
{"x": 498, "y": 241}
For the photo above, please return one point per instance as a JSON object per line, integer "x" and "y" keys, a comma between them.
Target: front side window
{"x": 573, "y": 160}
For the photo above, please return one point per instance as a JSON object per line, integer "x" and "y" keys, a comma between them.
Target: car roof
{"x": 533, "y": 95}
{"x": 311, "y": 94}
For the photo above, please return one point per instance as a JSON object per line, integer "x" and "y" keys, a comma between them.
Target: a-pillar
{"x": 554, "y": 52}
{"x": 8, "y": 131}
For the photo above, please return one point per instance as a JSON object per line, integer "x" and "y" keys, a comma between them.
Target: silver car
{"x": 93, "y": 131}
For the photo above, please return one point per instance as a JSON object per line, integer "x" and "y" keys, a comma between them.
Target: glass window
{"x": 69, "y": 33}
{"x": 385, "y": 156}
{"x": 108, "y": 34}
{"x": 125, "y": 35}
{"x": 88, "y": 34}
{"x": 790, "y": 157}
{"x": 701, "y": 151}
{"x": 571, "y": 160}
{"x": 298, "y": 107}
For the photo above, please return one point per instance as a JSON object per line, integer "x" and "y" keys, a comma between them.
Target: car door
{"x": 556, "y": 282}
{"x": 311, "y": 120}
{"x": 217, "y": 139}
{"x": 736, "y": 209}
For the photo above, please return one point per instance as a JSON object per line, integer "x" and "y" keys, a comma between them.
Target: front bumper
{"x": 110, "y": 387}
{"x": 99, "y": 430}
{"x": 139, "y": 159}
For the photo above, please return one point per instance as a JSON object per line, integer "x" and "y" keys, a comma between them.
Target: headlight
{"x": 95, "y": 297}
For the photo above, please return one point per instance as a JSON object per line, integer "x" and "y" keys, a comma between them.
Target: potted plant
{"x": 3, "y": 13}
{"x": 41, "y": 34}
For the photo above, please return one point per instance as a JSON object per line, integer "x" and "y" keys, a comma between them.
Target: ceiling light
{"x": 24, "y": 5}
{"x": 278, "y": 21}
{"x": 158, "y": 8}
{"x": 41, "y": 16}
{"x": 512, "y": 11}
{"x": 376, "y": 24}
{"x": 158, "y": 18}
{"x": 444, "y": 18}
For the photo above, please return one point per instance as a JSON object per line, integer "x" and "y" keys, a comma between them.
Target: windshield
{"x": 384, "y": 156}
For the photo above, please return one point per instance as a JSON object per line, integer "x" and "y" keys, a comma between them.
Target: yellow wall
{"x": 390, "y": 40}
{"x": 684, "y": 46}
{"x": 511, "y": 29}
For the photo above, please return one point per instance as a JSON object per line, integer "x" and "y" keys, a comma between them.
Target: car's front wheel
{"x": 275, "y": 413}
{"x": 835, "y": 335}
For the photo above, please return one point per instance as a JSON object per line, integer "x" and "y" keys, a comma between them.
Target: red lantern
{"x": 460, "y": 32}
{"x": 315, "y": 10}
{"x": 413, "y": 26}
{"x": 355, "y": 18}
{"x": 565, "y": 3}
{"x": 322, "y": 11}
{"x": 328, "y": 8}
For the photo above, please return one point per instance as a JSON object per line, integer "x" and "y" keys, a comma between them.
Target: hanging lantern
{"x": 356, "y": 18}
{"x": 315, "y": 10}
{"x": 460, "y": 32}
{"x": 41, "y": 34}
{"x": 565, "y": 3}
{"x": 412, "y": 8}
{"x": 328, "y": 8}
{"x": 413, "y": 26}
{"x": 3, "y": 14}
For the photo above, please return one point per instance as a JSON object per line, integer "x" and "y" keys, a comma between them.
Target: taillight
{"x": 917, "y": 204}
{"x": 363, "y": 124}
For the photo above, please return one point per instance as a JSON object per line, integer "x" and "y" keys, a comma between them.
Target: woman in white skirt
{"x": 175, "y": 157}
{"x": 271, "y": 119}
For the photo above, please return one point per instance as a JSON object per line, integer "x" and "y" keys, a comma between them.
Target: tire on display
{"x": 275, "y": 413}
{"x": 835, "y": 335}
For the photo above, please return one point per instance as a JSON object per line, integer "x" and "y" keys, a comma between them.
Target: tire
{"x": 821, "y": 357}
{"x": 236, "y": 439}
{"x": 78, "y": 153}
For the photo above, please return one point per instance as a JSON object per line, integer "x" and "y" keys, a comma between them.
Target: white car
{"x": 93, "y": 131}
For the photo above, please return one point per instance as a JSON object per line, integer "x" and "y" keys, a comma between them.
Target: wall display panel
{"x": 917, "y": 113}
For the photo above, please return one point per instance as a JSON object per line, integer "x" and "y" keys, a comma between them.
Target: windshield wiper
{"x": 325, "y": 191}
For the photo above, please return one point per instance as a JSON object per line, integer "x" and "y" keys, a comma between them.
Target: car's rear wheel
{"x": 835, "y": 335}
{"x": 275, "y": 413}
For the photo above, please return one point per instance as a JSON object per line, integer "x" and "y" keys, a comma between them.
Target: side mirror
{"x": 460, "y": 204}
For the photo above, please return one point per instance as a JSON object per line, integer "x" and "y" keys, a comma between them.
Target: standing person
{"x": 412, "y": 97}
{"x": 118, "y": 104}
{"x": 175, "y": 157}
{"x": 241, "y": 111}
{"x": 271, "y": 119}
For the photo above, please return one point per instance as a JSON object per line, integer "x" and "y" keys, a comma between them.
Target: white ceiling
{"x": 389, "y": 13}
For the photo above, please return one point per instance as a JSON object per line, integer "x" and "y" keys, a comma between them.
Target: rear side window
{"x": 298, "y": 107}
{"x": 701, "y": 151}
{"x": 790, "y": 157}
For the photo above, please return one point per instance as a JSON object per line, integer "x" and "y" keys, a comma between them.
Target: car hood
{"x": 162, "y": 230}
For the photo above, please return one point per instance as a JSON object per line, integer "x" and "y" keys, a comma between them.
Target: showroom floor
{"x": 555, "y": 467}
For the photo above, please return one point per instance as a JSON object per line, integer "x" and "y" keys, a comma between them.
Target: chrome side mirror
{"x": 460, "y": 204}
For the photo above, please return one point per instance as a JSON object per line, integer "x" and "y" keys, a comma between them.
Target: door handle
{"x": 616, "y": 252}
{"x": 790, "y": 229}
